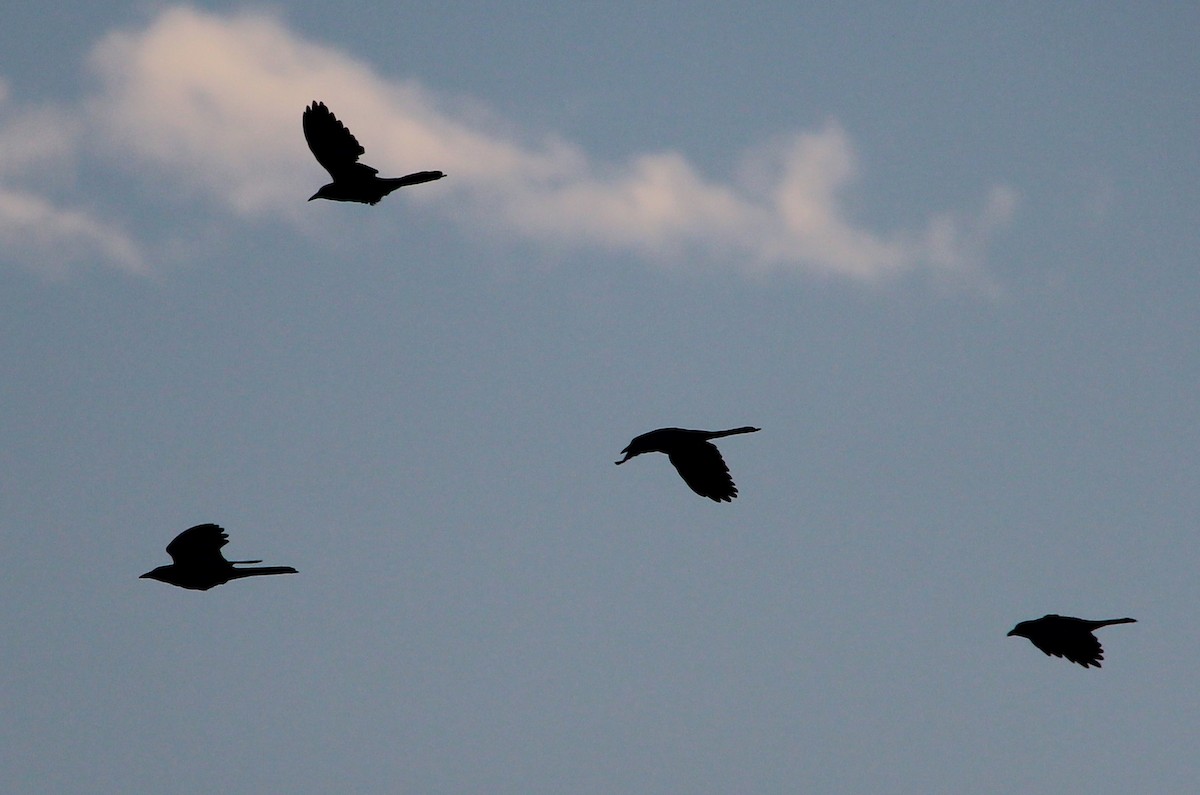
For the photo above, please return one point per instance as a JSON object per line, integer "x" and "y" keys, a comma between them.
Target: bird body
{"x": 199, "y": 565}
{"x": 337, "y": 150}
{"x": 694, "y": 457}
{"x": 1064, "y": 636}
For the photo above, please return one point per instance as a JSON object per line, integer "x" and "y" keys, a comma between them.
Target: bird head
{"x": 1019, "y": 630}
{"x": 646, "y": 443}
{"x": 159, "y": 574}
{"x": 629, "y": 453}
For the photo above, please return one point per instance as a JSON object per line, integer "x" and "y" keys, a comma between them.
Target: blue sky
{"x": 946, "y": 258}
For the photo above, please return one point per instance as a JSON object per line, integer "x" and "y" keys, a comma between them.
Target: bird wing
{"x": 1077, "y": 645}
{"x": 1082, "y": 647}
{"x": 702, "y": 468}
{"x": 198, "y": 545}
{"x": 334, "y": 146}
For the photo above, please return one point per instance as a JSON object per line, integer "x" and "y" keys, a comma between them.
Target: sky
{"x": 944, "y": 255}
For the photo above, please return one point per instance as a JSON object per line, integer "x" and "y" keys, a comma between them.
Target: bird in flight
{"x": 199, "y": 564}
{"x": 697, "y": 460}
{"x": 337, "y": 150}
{"x": 1064, "y": 636}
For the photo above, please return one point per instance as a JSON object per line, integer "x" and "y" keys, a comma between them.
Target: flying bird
{"x": 1064, "y": 636}
{"x": 337, "y": 150}
{"x": 199, "y": 564}
{"x": 697, "y": 460}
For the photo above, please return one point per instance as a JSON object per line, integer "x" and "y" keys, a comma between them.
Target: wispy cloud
{"x": 35, "y": 231}
{"x": 211, "y": 104}
{"x": 50, "y": 239}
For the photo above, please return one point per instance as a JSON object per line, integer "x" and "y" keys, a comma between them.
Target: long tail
{"x": 732, "y": 431}
{"x": 413, "y": 179}
{"x": 238, "y": 573}
{"x": 1111, "y": 621}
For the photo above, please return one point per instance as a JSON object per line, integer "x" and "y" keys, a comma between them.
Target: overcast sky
{"x": 946, "y": 258}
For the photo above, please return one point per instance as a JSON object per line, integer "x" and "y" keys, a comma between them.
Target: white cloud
{"x": 34, "y": 139}
{"x": 49, "y": 238}
{"x": 39, "y": 145}
{"x": 212, "y": 103}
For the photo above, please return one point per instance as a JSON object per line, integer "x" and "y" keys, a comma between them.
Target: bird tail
{"x": 238, "y": 573}
{"x": 1111, "y": 621}
{"x": 732, "y": 431}
{"x": 413, "y": 179}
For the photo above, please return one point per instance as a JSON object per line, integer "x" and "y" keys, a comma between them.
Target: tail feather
{"x": 1117, "y": 621}
{"x": 413, "y": 179}
{"x": 238, "y": 573}
{"x": 732, "y": 431}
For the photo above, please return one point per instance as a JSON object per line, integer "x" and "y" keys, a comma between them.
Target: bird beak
{"x": 1011, "y": 632}
{"x": 623, "y": 460}
{"x": 310, "y": 198}
{"x": 143, "y": 576}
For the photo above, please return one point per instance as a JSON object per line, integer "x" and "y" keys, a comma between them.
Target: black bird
{"x": 697, "y": 460}
{"x": 1068, "y": 637}
{"x": 337, "y": 150}
{"x": 199, "y": 564}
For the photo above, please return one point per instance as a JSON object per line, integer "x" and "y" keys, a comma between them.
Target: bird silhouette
{"x": 697, "y": 460}
{"x": 1064, "y": 636}
{"x": 336, "y": 148}
{"x": 199, "y": 564}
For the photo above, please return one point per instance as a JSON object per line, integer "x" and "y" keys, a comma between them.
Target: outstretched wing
{"x": 1082, "y": 647}
{"x": 335, "y": 147}
{"x": 199, "y": 545}
{"x": 1075, "y": 644}
{"x": 702, "y": 468}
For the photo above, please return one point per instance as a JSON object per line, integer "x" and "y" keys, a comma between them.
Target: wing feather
{"x": 702, "y": 468}
{"x": 334, "y": 146}
{"x": 198, "y": 545}
{"x": 1063, "y": 636}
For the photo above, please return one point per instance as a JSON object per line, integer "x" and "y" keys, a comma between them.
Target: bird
{"x": 337, "y": 150}
{"x": 1064, "y": 636}
{"x": 198, "y": 562}
{"x": 696, "y": 459}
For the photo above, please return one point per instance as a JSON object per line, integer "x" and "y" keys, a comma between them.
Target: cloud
{"x": 211, "y": 103}
{"x": 49, "y": 238}
{"x": 34, "y": 231}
